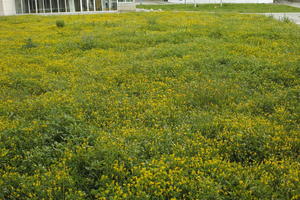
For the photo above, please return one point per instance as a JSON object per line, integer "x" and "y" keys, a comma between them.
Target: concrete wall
{"x": 224, "y": 1}
{"x": 1, "y": 8}
{"x": 7, "y": 7}
{"x": 126, "y": 6}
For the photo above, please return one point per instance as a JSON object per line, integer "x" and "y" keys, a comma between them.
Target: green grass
{"x": 149, "y": 106}
{"x": 237, "y": 8}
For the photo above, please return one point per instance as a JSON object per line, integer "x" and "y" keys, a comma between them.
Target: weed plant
{"x": 88, "y": 42}
{"x": 29, "y": 44}
{"x": 285, "y": 19}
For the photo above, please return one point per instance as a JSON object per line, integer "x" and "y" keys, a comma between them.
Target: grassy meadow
{"x": 144, "y": 106}
{"x": 226, "y": 7}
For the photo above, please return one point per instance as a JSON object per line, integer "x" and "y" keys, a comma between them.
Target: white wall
{"x": 7, "y": 7}
{"x": 224, "y": 1}
{"x": 1, "y": 8}
{"x": 130, "y": 6}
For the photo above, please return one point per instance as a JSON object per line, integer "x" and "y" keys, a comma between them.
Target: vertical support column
{"x": 71, "y": 6}
{"x": 43, "y": 6}
{"x": 29, "y": 10}
{"x": 36, "y": 7}
{"x": 103, "y": 5}
{"x": 94, "y": 5}
{"x": 50, "y": 6}
{"x": 22, "y": 10}
{"x": 87, "y": 5}
{"x": 66, "y": 8}
{"x": 58, "y": 8}
{"x": 80, "y": 5}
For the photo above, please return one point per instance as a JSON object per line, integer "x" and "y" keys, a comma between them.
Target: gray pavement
{"x": 293, "y": 4}
{"x": 294, "y": 17}
{"x": 151, "y": 2}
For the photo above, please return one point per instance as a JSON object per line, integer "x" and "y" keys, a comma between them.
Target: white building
{"x": 13, "y": 7}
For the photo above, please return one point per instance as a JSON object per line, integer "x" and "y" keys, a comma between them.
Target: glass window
{"x": 77, "y": 5}
{"x": 125, "y": 1}
{"x": 98, "y": 5}
{"x": 19, "y": 6}
{"x": 40, "y": 6}
{"x": 48, "y": 5}
{"x": 84, "y": 5}
{"x": 54, "y": 6}
{"x": 62, "y": 5}
{"x": 32, "y": 6}
{"x": 25, "y": 6}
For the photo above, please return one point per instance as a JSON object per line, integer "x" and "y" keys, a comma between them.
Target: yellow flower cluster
{"x": 162, "y": 105}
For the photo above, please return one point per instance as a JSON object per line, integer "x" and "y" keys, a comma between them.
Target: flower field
{"x": 149, "y": 106}
{"x": 226, "y": 7}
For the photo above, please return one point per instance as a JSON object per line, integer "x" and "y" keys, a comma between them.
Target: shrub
{"x": 245, "y": 148}
{"x": 109, "y": 24}
{"x": 60, "y": 23}
{"x": 152, "y": 20}
{"x": 88, "y": 42}
{"x": 216, "y": 34}
{"x": 29, "y": 44}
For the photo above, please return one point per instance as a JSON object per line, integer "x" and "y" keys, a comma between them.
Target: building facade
{"x": 13, "y": 7}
